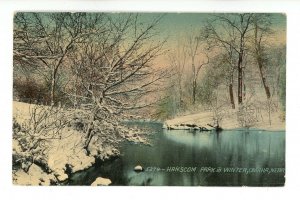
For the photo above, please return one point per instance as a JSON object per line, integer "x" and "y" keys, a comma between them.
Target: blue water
{"x": 184, "y": 158}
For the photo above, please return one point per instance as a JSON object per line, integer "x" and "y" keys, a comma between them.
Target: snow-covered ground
{"x": 230, "y": 120}
{"x": 69, "y": 149}
{"x": 65, "y": 151}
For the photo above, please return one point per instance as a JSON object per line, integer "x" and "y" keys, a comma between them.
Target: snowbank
{"x": 65, "y": 155}
{"x": 229, "y": 121}
{"x": 67, "y": 151}
{"x": 101, "y": 182}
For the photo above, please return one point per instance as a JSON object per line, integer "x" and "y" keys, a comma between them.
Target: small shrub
{"x": 32, "y": 136}
{"x": 30, "y": 91}
{"x": 246, "y": 115}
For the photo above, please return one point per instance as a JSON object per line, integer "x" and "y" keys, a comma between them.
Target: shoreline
{"x": 229, "y": 121}
{"x": 65, "y": 155}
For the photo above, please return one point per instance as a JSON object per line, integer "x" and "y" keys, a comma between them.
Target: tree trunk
{"x": 194, "y": 91}
{"x": 240, "y": 78}
{"x": 260, "y": 63}
{"x": 180, "y": 93}
{"x": 244, "y": 94}
{"x": 263, "y": 78}
{"x": 52, "y": 92}
{"x": 53, "y": 86}
{"x": 231, "y": 96}
{"x": 90, "y": 135}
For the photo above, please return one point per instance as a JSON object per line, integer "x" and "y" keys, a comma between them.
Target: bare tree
{"x": 197, "y": 62}
{"x": 262, "y": 31}
{"x": 230, "y": 33}
{"x": 42, "y": 41}
{"x": 222, "y": 69}
{"x": 114, "y": 71}
{"x": 275, "y": 68}
{"x": 178, "y": 61}
{"x": 35, "y": 134}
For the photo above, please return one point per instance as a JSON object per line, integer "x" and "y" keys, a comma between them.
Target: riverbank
{"x": 62, "y": 156}
{"x": 181, "y": 158}
{"x": 229, "y": 121}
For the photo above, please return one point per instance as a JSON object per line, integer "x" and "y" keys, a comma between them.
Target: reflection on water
{"x": 236, "y": 148}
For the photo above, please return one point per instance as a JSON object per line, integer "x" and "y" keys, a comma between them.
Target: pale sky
{"x": 175, "y": 26}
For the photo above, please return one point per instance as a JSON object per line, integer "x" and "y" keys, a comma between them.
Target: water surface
{"x": 185, "y": 158}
